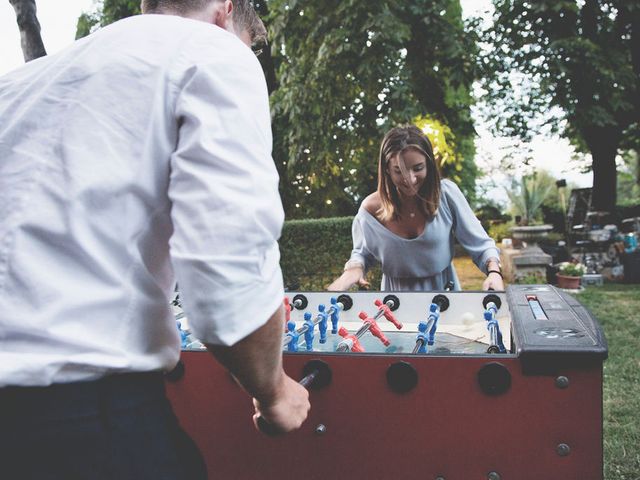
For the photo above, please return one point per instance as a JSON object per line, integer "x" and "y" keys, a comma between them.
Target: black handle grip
{"x": 316, "y": 375}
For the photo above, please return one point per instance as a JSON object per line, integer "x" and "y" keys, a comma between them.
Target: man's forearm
{"x": 256, "y": 360}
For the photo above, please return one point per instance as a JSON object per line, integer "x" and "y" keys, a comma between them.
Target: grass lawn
{"x": 470, "y": 276}
{"x": 617, "y": 307}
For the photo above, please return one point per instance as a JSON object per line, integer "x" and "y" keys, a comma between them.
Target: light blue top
{"x": 423, "y": 263}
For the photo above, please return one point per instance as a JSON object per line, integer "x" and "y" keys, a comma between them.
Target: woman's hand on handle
{"x": 493, "y": 282}
{"x": 494, "y": 279}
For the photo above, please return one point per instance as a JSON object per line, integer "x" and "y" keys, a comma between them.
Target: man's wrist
{"x": 271, "y": 394}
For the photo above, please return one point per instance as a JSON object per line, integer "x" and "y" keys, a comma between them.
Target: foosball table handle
{"x": 316, "y": 375}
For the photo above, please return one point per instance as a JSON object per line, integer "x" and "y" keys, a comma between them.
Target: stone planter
{"x": 524, "y": 264}
{"x": 531, "y": 234}
{"x": 570, "y": 283}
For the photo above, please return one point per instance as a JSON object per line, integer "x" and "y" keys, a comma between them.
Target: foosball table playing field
{"x": 414, "y": 385}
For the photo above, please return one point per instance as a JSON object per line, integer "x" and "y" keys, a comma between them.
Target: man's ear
{"x": 222, "y": 14}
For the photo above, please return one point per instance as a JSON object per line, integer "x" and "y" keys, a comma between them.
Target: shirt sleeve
{"x": 360, "y": 253}
{"x": 468, "y": 229}
{"x": 226, "y": 211}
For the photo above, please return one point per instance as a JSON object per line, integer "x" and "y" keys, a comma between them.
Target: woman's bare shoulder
{"x": 372, "y": 203}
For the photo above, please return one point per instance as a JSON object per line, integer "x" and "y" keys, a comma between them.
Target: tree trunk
{"x": 30, "y": 39}
{"x": 603, "y": 143}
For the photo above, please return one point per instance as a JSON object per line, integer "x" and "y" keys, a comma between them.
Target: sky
{"x": 57, "y": 19}
{"x": 58, "y": 23}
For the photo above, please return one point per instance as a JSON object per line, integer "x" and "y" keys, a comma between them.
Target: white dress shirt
{"x": 138, "y": 151}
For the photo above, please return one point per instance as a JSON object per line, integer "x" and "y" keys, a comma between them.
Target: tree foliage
{"x": 104, "y": 13}
{"x": 340, "y": 74}
{"x": 582, "y": 56}
{"x": 629, "y": 180}
{"x": 347, "y": 71}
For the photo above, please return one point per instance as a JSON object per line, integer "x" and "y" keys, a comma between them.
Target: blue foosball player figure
{"x": 335, "y": 314}
{"x": 292, "y": 346}
{"x": 434, "y": 315}
{"x": 309, "y": 333}
{"x": 184, "y": 335}
{"x": 495, "y": 335}
{"x": 322, "y": 324}
{"x": 422, "y": 337}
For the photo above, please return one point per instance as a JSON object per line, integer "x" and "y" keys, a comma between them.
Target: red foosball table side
{"x": 359, "y": 428}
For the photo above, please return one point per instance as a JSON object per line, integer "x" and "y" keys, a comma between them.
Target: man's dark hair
{"x": 181, "y": 7}
{"x": 244, "y": 15}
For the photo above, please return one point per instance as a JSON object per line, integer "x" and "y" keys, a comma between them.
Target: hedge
{"x": 313, "y": 252}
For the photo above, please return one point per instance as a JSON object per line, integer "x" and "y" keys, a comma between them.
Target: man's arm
{"x": 256, "y": 362}
{"x": 227, "y": 217}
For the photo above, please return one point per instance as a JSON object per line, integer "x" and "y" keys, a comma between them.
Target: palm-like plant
{"x": 527, "y": 196}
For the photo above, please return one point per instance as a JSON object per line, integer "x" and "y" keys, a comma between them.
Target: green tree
{"x": 342, "y": 73}
{"x": 349, "y": 70}
{"x": 581, "y": 57}
{"x": 629, "y": 180}
{"x": 104, "y": 13}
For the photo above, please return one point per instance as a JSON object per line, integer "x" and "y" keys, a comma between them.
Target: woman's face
{"x": 408, "y": 171}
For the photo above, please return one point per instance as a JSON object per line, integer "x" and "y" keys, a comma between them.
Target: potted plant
{"x": 527, "y": 196}
{"x": 569, "y": 275}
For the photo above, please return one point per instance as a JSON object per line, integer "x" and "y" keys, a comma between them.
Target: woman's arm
{"x": 494, "y": 279}
{"x": 353, "y": 273}
{"x": 474, "y": 238}
{"x": 355, "y": 269}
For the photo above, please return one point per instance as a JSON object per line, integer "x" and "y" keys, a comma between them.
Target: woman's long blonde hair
{"x": 396, "y": 141}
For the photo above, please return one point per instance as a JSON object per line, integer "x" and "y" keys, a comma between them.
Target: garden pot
{"x": 564, "y": 281}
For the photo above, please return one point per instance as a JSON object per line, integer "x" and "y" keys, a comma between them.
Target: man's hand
{"x": 287, "y": 409}
{"x": 256, "y": 363}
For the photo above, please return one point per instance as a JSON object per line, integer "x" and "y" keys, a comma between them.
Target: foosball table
{"x": 414, "y": 385}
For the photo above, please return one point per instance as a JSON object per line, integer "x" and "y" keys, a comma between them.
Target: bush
{"x": 489, "y": 214}
{"x": 314, "y": 251}
{"x": 530, "y": 279}
{"x": 498, "y": 231}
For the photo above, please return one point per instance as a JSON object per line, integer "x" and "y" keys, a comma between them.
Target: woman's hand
{"x": 493, "y": 282}
{"x": 349, "y": 278}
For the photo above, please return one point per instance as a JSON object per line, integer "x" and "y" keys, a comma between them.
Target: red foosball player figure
{"x": 350, "y": 342}
{"x": 287, "y": 313}
{"x": 373, "y": 328}
{"x": 386, "y": 311}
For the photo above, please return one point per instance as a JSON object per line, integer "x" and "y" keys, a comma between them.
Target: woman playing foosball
{"x": 410, "y": 222}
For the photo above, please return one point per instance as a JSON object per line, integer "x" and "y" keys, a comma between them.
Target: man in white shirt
{"x": 138, "y": 156}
